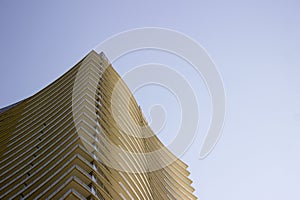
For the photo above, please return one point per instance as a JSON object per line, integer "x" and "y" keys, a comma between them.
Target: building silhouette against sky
{"x": 85, "y": 137}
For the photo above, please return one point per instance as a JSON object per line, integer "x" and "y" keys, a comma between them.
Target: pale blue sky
{"x": 255, "y": 45}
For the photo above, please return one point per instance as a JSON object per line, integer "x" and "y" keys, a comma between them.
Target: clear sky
{"x": 255, "y": 45}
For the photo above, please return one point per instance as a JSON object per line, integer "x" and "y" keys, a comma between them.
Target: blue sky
{"x": 255, "y": 45}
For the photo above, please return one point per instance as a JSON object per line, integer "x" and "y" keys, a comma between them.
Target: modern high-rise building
{"x": 85, "y": 137}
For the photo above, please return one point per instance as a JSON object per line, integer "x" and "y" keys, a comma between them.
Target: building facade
{"x": 85, "y": 137}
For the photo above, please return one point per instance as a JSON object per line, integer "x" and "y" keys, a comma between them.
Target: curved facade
{"x": 85, "y": 137}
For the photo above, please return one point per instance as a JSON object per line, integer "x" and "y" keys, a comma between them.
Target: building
{"x": 65, "y": 143}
